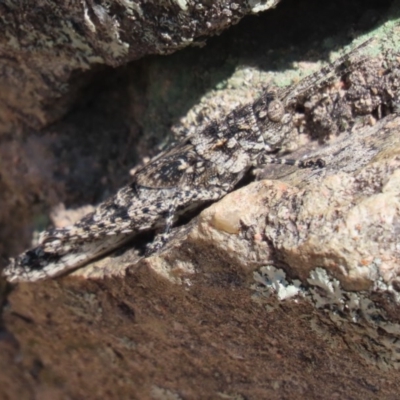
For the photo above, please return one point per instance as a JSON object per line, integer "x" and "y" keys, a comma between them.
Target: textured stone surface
{"x": 53, "y": 62}
{"x": 203, "y": 319}
{"x": 46, "y": 47}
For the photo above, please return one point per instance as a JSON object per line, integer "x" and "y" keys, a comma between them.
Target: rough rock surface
{"x": 53, "y": 59}
{"x": 47, "y": 46}
{"x": 287, "y": 288}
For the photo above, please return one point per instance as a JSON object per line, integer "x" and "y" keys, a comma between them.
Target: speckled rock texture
{"x": 286, "y": 288}
{"x": 46, "y": 46}
{"x": 55, "y": 58}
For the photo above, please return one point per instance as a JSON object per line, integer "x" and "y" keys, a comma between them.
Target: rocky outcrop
{"x": 287, "y": 287}
{"x": 47, "y": 47}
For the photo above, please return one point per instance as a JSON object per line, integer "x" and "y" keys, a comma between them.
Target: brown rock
{"x": 286, "y": 288}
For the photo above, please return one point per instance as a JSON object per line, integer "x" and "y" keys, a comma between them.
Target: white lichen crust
{"x": 358, "y": 314}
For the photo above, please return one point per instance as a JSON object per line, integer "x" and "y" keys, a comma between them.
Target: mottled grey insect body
{"x": 203, "y": 168}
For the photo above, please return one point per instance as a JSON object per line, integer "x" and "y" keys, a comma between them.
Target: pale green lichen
{"x": 367, "y": 327}
{"x": 183, "y": 4}
{"x": 274, "y": 281}
{"x": 261, "y": 5}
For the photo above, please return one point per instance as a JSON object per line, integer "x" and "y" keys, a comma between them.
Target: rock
{"x": 287, "y": 281}
{"x": 46, "y": 47}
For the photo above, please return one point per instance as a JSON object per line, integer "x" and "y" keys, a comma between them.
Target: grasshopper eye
{"x": 275, "y": 111}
